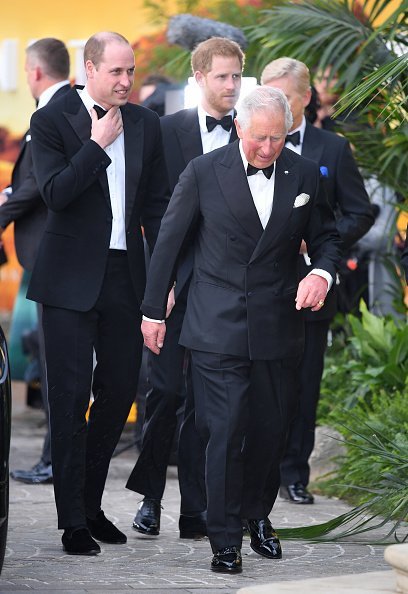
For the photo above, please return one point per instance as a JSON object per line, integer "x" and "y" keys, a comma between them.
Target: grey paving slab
{"x": 36, "y": 562}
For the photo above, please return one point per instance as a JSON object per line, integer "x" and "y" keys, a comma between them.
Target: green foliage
{"x": 369, "y": 356}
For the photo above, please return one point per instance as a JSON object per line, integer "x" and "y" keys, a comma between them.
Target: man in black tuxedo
{"x": 217, "y": 65}
{"x": 47, "y": 68}
{"x": 344, "y": 190}
{"x": 243, "y": 308}
{"x": 101, "y": 179}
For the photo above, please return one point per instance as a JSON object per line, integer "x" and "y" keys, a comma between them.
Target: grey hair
{"x": 264, "y": 99}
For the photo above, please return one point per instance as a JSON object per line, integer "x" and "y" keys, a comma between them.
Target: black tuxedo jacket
{"x": 343, "y": 188}
{"x": 71, "y": 173}
{"x": 25, "y": 206}
{"x": 182, "y": 143}
{"x": 242, "y": 294}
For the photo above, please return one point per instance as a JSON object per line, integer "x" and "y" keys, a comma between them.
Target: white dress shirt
{"x": 48, "y": 93}
{"x": 116, "y": 181}
{"x": 262, "y": 190}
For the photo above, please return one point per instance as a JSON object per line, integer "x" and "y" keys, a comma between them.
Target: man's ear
{"x": 199, "y": 78}
{"x": 238, "y": 127}
{"x": 307, "y": 97}
{"x": 89, "y": 68}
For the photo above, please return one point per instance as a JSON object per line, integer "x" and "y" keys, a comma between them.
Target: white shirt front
{"x": 301, "y": 129}
{"x": 116, "y": 181}
{"x": 262, "y": 190}
{"x": 218, "y": 137}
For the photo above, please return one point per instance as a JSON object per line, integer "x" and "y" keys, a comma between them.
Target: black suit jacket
{"x": 242, "y": 294}
{"x": 25, "y": 206}
{"x": 182, "y": 143}
{"x": 343, "y": 188}
{"x": 71, "y": 173}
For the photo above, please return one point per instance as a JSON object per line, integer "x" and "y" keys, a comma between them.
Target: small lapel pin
{"x": 286, "y": 172}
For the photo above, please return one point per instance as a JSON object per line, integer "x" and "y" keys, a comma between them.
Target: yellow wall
{"x": 26, "y": 20}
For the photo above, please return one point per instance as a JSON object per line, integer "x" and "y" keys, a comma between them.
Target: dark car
{"x": 5, "y": 431}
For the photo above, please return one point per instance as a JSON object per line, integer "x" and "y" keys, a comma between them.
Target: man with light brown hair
{"x": 217, "y": 65}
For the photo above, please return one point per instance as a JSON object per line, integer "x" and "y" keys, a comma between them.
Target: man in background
{"x": 47, "y": 69}
{"x": 344, "y": 191}
{"x": 217, "y": 66}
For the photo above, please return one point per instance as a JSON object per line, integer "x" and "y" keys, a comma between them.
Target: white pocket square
{"x": 301, "y": 200}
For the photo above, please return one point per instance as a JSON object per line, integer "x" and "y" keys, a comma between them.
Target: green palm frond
{"x": 328, "y": 34}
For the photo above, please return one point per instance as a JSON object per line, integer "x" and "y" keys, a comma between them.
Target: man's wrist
{"x": 146, "y": 319}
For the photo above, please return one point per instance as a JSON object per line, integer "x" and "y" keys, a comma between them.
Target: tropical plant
{"x": 364, "y": 43}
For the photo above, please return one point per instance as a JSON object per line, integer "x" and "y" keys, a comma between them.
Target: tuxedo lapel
{"x": 312, "y": 147}
{"x": 286, "y": 184}
{"x": 234, "y": 185}
{"x": 80, "y": 121}
{"x": 134, "y": 136}
{"x": 189, "y": 136}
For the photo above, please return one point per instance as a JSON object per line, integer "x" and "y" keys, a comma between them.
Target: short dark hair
{"x": 53, "y": 56}
{"x": 202, "y": 55}
{"x": 95, "y": 46}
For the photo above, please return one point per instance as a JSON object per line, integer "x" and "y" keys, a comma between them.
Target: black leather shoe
{"x": 147, "y": 519}
{"x": 39, "y": 474}
{"x": 193, "y": 526}
{"x": 296, "y": 493}
{"x": 264, "y": 539}
{"x": 227, "y": 560}
{"x": 102, "y": 529}
{"x": 79, "y": 542}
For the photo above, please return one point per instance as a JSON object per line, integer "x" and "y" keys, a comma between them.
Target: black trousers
{"x": 171, "y": 390}
{"x": 242, "y": 413}
{"x": 81, "y": 451}
{"x": 301, "y": 436}
{"x": 46, "y": 451}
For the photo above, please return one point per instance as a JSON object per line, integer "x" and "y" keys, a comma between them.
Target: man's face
{"x": 296, "y": 100}
{"x": 220, "y": 87}
{"x": 264, "y": 138}
{"x": 111, "y": 82}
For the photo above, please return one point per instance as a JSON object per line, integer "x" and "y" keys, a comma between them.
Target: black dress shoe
{"x": 227, "y": 560}
{"x": 193, "y": 526}
{"x": 296, "y": 493}
{"x": 102, "y": 529}
{"x": 79, "y": 542}
{"x": 39, "y": 474}
{"x": 147, "y": 519}
{"x": 264, "y": 539}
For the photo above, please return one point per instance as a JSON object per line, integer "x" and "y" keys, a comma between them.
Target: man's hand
{"x": 311, "y": 292}
{"x": 171, "y": 302}
{"x": 105, "y": 130}
{"x": 3, "y": 198}
{"x": 153, "y": 334}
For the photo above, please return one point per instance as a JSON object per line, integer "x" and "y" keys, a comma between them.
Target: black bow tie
{"x": 267, "y": 171}
{"x": 100, "y": 111}
{"x": 225, "y": 122}
{"x": 293, "y": 138}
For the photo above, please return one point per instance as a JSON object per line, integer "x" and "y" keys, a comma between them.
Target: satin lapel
{"x": 134, "y": 139}
{"x": 233, "y": 135}
{"x": 286, "y": 184}
{"x": 312, "y": 147}
{"x": 80, "y": 121}
{"x": 234, "y": 185}
{"x": 189, "y": 137}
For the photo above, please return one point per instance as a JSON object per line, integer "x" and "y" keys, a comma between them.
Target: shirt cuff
{"x": 146, "y": 319}
{"x": 325, "y": 275}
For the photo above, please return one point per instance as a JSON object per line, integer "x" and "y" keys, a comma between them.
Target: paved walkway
{"x": 164, "y": 564}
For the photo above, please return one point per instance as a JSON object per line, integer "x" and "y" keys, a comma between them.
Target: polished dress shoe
{"x": 102, "y": 529}
{"x": 227, "y": 560}
{"x": 296, "y": 493}
{"x": 193, "y": 526}
{"x": 147, "y": 519}
{"x": 79, "y": 542}
{"x": 264, "y": 539}
{"x": 39, "y": 474}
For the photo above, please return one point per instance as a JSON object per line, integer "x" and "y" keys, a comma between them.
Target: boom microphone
{"x": 188, "y": 31}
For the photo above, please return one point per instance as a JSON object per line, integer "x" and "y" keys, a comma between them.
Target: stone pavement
{"x": 164, "y": 564}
